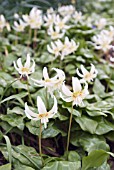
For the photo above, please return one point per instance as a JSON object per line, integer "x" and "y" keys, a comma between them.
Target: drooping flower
{"x": 66, "y": 10}
{"x": 55, "y": 48}
{"x": 101, "y": 23}
{"x": 3, "y": 23}
{"x": 53, "y": 83}
{"x": 19, "y": 27}
{"x": 61, "y": 23}
{"x": 86, "y": 75}
{"x": 60, "y": 79}
{"x": 34, "y": 19}
{"x": 77, "y": 16}
{"x": 49, "y": 19}
{"x": 102, "y": 41}
{"x": 110, "y": 32}
{"x": 55, "y": 33}
{"x": 63, "y": 49}
{"x": 43, "y": 115}
{"x": 26, "y": 69}
{"x": 68, "y": 47}
{"x": 78, "y": 94}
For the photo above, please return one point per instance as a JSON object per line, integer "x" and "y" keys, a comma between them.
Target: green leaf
{"x": 88, "y": 142}
{"x": 87, "y": 124}
{"x": 63, "y": 165}
{"x": 17, "y": 97}
{"x": 73, "y": 156}
{"x": 14, "y": 120}
{"x": 5, "y": 167}
{"x": 95, "y": 159}
{"x": 8, "y": 148}
{"x": 23, "y": 155}
{"x": 98, "y": 88}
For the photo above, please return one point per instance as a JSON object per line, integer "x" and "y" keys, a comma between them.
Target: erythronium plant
{"x": 51, "y": 84}
{"x": 25, "y": 70}
{"x": 76, "y": 97}
{"x": 43, "y": 115}
{"x": 86, "y": 75}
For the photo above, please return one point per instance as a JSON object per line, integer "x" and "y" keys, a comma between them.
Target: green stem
{"x": 68, "y": 138}
{"x": 40, "y": 137}
{"x": 47, "y": 98}
{"x": 29, "y": 93}
{"x": 30, "y": 34}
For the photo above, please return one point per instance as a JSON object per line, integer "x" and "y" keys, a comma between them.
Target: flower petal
{"x": 30, "y": 113}
{"x": 40, "y": 105}
{"x": 54, "y": 108}
{"x": 76, "y": 84}
{"x": 19, "y": 63}
{"x": 45, "y": 73}
{"x": 27, "y": 64}
{"x": 79, "y": 74}
{"x": 84, "y": 71}
{"x": 66, "y": 91}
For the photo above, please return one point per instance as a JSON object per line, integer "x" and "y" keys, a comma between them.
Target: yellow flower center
{"x": 76, "y": 94}
{"x": 47, "y": 80}
{"x": 54, "y": 34}
{"x": 25, "y": 69}
{"x": 88, "y": 76}
{"x": 42, "y": 115}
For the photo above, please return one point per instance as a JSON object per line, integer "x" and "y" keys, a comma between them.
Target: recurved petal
{"x": 40, "y": 105}
{"x": 27, "y": 64}
{"x": 76, "y": 84}
{"x": 15, "y": 66}
{"x": 66, "y": 91}
{"x": 29, "y": 113}
{"x": 93, "y": 70}
{"x": 32, "y": 69}
{"x": 19, "y": 63}
{"x": 79, "y": 74}
{"x": 54, "y": 108}
{"x": 66, "y": 99}
{"x": 45, "y": 73}
{"x": 84, "y": 71}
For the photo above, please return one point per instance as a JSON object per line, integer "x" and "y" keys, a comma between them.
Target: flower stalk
{"x": 29, "y": 95}
{"x": 69, "y": 130}
{"x": 40, "y": 138}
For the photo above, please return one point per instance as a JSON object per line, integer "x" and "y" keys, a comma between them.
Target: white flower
{"x": 55, "y": 48}
{"x": 77, "y": 16}
{"x": 102, "y": 42}
{"x": 3, "y": 23}
{"x": 63, "y": 49}
{"x": 87, "y": 76}
{"x": 16, "y": 16}
{"x": 26, "y": 69}
{"x": 50, "y": 11}
{"x": 68, "y": 47}
{"x": 43, "y": 115}
{"x": 112, "y": 59}
{"x": 78, "y": 94}
{"x": 55, "y": 33}
{"x": 60, "y": 79}
{"x": 101, "y": 23}
{"x": 49, "y": 19}
{"x": 19, "y": 27}
{"x": 66, "y": 10}
{"x": 109, "y": 33}
{"x": 34, "y": 19}
{"x": 61, "y": 23}
{"x": 53, "y": 83}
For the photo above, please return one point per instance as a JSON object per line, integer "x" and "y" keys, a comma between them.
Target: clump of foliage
{"x": 72, "y": 48}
